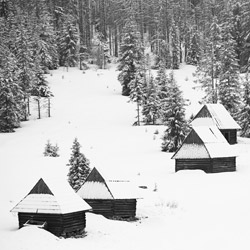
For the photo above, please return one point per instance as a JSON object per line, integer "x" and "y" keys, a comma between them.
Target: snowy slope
{"x": 184, "y": 210}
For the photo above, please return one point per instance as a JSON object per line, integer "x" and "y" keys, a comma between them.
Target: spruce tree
{"x": 137, "y": 90}
{"x": 151, "y": 104}
{"x": 162, "y": 83}
{"x": 79, "y": 167}
{"x": 175, "y": 46}
{"x": 208, "y": 69}
{"x": 229, "y": 89}
{"x": 131, "y": 53}
{"x": 243, "y": 115}
{"x": 25, "y": 63}
{"x": 68, "y": 39}
{"x": 11, "y": 96}
{"x": 175, "y": 123}
{"x": 193, "y": 50}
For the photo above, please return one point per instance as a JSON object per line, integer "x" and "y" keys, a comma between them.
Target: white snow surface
{"x": 179, "y": 211}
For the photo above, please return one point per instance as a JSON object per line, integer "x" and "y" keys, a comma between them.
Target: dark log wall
{"x": 224, "y": 164}
{"x": 57, "y": 224}
{"x": 104, "y": 207}
{"x": 202, "y": 164}
{"x": 215, "y": 165}
{"x": 230, "y": 135}
{"x": 123, "y": 208}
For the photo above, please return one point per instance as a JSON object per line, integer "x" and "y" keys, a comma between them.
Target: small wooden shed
{"x": 216, "y": 114}
{"x": 207, "y": 149}
{"x": 54, "y": 204}
{"x": 109, "y": 198}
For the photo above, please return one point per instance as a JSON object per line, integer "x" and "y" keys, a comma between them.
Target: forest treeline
{"x": 39, "y": 35}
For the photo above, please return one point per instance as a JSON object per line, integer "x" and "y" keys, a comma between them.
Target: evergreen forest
{"x": 41, "y": 35}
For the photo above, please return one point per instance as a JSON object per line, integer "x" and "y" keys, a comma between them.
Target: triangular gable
{"x": 41, "y": 199}
{"x": 40, "y": 188}
{"x": 95, "y": 176}
{"x": 95, "y": 187}
{"x": 204, "y": 142}
{"x": 220, "y": 117}
{"x": 204, "y": 112}
{"x": 191, "y": 145}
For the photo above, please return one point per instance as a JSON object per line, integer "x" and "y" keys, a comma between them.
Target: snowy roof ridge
{"x": 99, "y": 188}
{"x": 219, "y": 116}
{"x": 51, "y": 196}
{"x": 204, "y": 142}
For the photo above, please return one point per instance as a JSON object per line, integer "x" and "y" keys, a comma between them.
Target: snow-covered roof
{"x": 218, "y": 116}
{"x": 204, "y": 142}
{"x": 53, "y": 197}
{"x": 95, "y": 187}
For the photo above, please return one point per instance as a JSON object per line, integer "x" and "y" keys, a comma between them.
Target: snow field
{"x": 184, "y": 210}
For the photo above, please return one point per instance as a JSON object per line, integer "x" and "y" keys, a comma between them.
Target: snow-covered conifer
{"x": 51, "y": 150}
{"x": 131, "y": 52}
{"x": 79, "y": 166}
{"x": 151, "y": 104}
{"x": 68, "y": 44}
{"x": 208, "y": 69}
{"x": 229, "y": 89}
{"x": 175, "y": 118}
{"x": 243, "y": 115}
{"x": 11, "y": 96}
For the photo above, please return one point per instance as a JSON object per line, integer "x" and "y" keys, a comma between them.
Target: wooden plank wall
{"x": 224, "y": 164}
{"x": 202, "y": 164}
{"x": 232, "y": 135}
{"x": 123, "y": 208}
{"x": 57, "y": 224}
{"x": 74, "y": 221}
{"x": 103, "y": 207}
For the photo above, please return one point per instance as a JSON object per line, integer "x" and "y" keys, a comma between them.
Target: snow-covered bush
{"x": 51, "y": 150}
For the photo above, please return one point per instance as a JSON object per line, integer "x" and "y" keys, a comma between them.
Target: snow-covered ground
{"x": 184, "y": 210}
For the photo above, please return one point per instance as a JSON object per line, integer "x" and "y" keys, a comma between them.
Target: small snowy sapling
{"x": 79, "y": 167}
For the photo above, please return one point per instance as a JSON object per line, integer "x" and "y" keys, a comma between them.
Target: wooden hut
{"x": 207, "y": 149}
{"x": 109, "y": 198}
{"x": 55, "y": 205}
{"x": 216, "y": 114}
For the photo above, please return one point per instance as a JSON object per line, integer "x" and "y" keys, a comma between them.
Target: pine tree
{"x": 193, "y": 51}
{"x": 131, "y": 53}
{"x": 207, "y": 72}
{"x": 137, "y": 89}
{"x": 175, "y": 123}
{"x": 51, "y": 150}
{"x": 79, "y": 166}
{"x": 151, "y": 104}
{"x": 243, "y": 115}
{"x": 175, "y": 46}
{"x": 162, "y": 83}
{"x": 68, "y": 44}
{"x": 25, "y": 62}
{"x": 228, "y": 90}
{"x": 11, "y": 96}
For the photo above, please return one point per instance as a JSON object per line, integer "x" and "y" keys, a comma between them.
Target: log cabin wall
{"x": 230, "y": 135}
{"x": 57, "y": 224}
{"x": 224, "y": 164}
{"x": 123, "y": 208}
{"x": 101, "y": 206}
{"x": 202, "y": 164}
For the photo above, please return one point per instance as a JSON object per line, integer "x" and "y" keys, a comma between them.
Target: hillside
{"x": 184, "y": 210}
